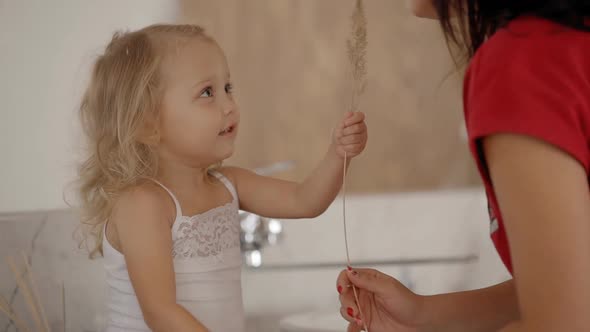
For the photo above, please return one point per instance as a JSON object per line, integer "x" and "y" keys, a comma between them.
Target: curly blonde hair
{"x": 118, "y": 112}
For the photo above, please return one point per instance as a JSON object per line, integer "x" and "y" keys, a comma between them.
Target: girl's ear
{"x": 149, "y": 134}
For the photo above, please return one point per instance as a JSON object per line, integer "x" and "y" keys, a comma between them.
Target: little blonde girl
{"x": 160, "y": 118}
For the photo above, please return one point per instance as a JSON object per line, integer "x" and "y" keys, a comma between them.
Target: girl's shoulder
{"x": 232, "y": 173}
{"x": 145, "y": 198}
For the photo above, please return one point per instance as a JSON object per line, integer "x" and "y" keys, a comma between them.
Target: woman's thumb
{"x": 369, "y": 279}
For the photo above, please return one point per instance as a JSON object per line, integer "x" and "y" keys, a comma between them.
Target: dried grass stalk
{"x": 29, "y": 273}
{"x": 22, "y": 284}
{"x": 63, "y": 303}
{"x": 11, "y": 314}
{"x": 356, "y": 47}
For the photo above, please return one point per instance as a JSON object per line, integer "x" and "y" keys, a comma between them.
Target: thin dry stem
{"x": 354, "y": 291}
{"x": 26, "y": 292}
{"x": 11, "y": 314}
{"x": 29, "y": 273}
{"x": 356, "y": 47}
{"x": 63, "y": 303}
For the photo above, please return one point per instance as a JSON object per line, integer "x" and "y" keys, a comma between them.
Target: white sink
{"x": 314, "y": 322}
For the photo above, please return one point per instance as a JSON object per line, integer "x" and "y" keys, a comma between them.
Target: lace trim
{"x": 208, "y": 234}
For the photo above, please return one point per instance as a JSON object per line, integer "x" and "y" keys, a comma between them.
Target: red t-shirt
{"x": 531, "y": 78}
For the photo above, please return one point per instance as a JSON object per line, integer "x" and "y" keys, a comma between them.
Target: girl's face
{"x": 422, "y": 8}
{"x": 199, "y": 118}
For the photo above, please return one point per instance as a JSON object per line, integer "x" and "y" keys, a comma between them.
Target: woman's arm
{"x": 545, "y": 202}
{"x": 388, "y": 305}
{"x": 482, "y": 310}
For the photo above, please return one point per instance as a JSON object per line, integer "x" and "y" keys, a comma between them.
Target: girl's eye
{"x": 229, "y": 88}
{"x": 207, "y": 93}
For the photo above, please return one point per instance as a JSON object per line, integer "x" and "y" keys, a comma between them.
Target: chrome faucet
{"x": 256, "y": 232}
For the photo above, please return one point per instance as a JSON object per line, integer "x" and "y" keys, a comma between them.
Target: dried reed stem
{"x": 356, "y": 47}
{"x": 26, "y": 293}
{"x": 29, "y": 272}
{"x": 63, "y": 303}
{"x": 11, "y": 314}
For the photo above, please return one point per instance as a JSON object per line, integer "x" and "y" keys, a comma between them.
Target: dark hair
{"x": 479, "y": 19}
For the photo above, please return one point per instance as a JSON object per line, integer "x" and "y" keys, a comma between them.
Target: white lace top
{"x": 207, "y": 264}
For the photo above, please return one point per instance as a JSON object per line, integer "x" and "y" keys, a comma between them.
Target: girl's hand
{"x": 350, "y": 136}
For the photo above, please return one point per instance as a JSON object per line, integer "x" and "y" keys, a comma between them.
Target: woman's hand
{"x": 386, "y": 304}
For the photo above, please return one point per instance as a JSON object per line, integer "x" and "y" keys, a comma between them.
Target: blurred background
{"x": 416, "y": 208}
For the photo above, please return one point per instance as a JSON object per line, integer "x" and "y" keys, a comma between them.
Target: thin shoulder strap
{"x": 227, "y": 183}
{"x": 176, "y": 203}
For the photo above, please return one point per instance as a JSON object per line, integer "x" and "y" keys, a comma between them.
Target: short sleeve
{"x": 528, "y": 86}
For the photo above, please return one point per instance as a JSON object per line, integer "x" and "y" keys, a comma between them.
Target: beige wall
{"x": 289, "y": 65}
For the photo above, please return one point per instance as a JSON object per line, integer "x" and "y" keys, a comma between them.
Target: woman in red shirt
{"x": 527, "y": 111}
